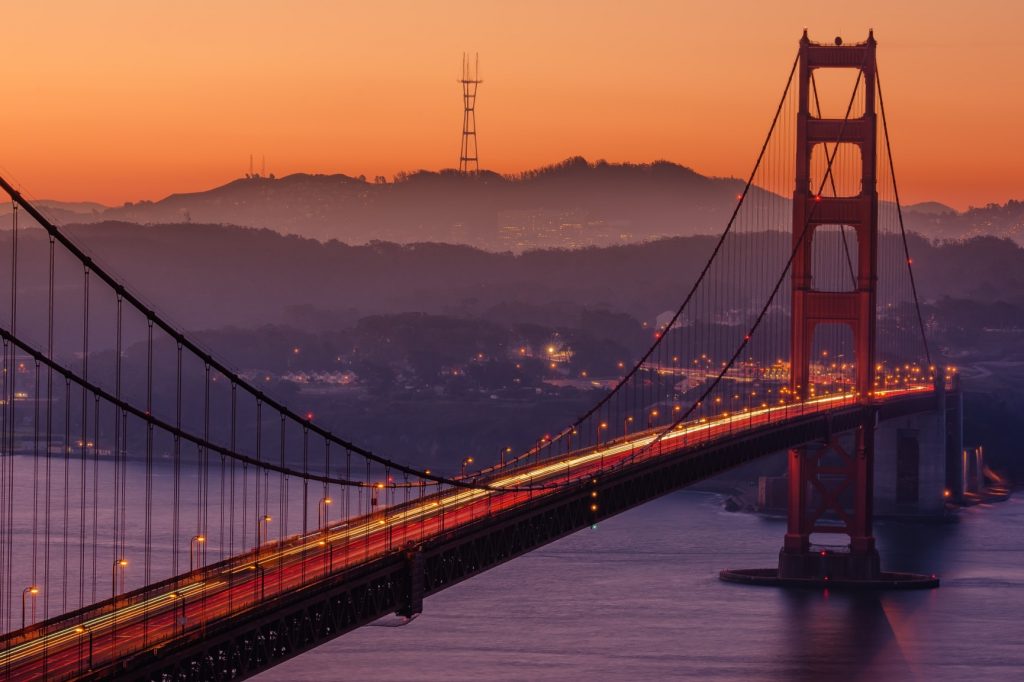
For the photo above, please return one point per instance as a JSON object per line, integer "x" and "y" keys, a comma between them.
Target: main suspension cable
{"x": 778, "y": 285}
{"x": 152, "y": 316}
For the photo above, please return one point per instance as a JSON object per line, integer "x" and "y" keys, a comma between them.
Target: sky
{"x": 118, "y": 100}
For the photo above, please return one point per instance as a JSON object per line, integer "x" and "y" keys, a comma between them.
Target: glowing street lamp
{"x": 182, "y": 619}
{"x": 32, "y": 591}
{"x": 195, "y": 547}
{"x": 82, "y": 630}
{"x": 602, "y": 426}
{"x": 651, "y": 418}
{"x": 501, "y": 455}
{"x": 261, "y": 530}
{"x": 261, "y": 575}
{"x": 465, "y": 463}
{"x": 321, "y": 510}
{"x": 121, "y": 564}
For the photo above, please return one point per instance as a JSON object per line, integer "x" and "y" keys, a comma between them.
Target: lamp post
{"x": 321, "y": 512}
{"x": 651, "y": 417}
{"x": 195, "y": 547}
{"x": 82, "y": 630}
{"x": 118, "y": 564}
{"x": 465, "y": 463}
{"x": 625, "y": 425}
{"x": 262, "y": 578}
{"x": 182, "y": 620}
{"x": 546, "y": 438}
{"x": 601, "y": 427}
{"x": 501, "y": 455}
{"x": 32, "y": 591}
{"x": 328, "y": 553}
{"x": 261, "y": 530}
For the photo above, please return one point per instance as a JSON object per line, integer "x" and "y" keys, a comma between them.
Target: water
{"x": 639, "y": 599}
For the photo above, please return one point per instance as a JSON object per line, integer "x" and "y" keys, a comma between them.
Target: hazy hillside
{"x": 1006, "y": 220}
{"x": 573, "y": 204}
{"x": 60, "y": 212}
{"x": 929, "y": 208}
{"x": 333, "y": 300}
{"x": 245, "y": 276}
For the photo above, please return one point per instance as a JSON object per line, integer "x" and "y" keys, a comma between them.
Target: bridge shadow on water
{"x": 868, "y": 635}
{"x": 840, "y": 636}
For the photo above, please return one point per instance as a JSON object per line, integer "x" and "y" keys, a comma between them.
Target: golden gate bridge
{"x": 162, "y": 518}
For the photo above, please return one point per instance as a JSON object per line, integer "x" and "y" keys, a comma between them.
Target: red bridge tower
{"x": 824, "y": 476}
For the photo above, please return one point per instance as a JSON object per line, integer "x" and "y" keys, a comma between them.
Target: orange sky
{"x": 116, "y": 101}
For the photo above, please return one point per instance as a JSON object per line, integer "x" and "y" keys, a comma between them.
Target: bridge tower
{"x": 830, "y": 483}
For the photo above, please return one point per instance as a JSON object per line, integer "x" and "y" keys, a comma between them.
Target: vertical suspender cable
{"x": 117, "y": 437}
{"x": 176, "y": 521}
{"x": 83, "y": 450}
{"x": 66, "y": 447}
{"x": 49, "y": 442}
{"x": 148, "y": 541}
{"x": 903, "y": 231}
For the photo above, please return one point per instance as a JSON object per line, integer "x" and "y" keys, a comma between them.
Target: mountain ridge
{"x": 571, "y": 204}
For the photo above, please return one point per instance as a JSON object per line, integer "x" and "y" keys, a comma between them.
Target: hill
{"x": 1000, "y": 220}
{"x": 245, "y": 276}
{"x": 571, "y": 204}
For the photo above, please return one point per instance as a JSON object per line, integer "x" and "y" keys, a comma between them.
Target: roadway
{"x": 184, "y": 606}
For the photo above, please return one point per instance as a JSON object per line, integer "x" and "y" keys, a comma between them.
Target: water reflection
{"x": 833, "y": 635}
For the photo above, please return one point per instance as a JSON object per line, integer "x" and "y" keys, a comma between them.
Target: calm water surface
{"x": 639, "y": 599}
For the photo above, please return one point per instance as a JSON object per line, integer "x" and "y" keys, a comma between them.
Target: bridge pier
{"x": 832, "y": 479}
{"x": 413, "y": 587}
{"x": 911, "y": 473}
{"x": 912, "y": 466}
{"x": 828, "y": 565}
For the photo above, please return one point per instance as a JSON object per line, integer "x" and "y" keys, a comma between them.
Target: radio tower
{"x": 468, "y": 161}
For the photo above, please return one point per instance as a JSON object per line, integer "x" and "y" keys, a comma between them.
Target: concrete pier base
{"x": 826, "y": 564}
{"x": 829, "y": 568}
{"x": 769, "y": 577}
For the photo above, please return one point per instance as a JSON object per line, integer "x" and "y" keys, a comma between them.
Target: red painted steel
{"x": 811, "y": 478}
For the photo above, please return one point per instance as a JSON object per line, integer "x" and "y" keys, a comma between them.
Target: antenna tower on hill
{"x": 468, "y": 160}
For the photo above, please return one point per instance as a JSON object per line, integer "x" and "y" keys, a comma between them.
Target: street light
{"x": 262, "y": 578}
{"x": 81, "y": 630}
{"x": 501, "y": 455}
{"x": 600, "y": 427}
{"x": 122, "y": 564}
{"x": 625, "y": 425}
{"x": 182, "y": 620}
{"x": 465, "y": 462}
{"x": 321, "y": 510}
{"x": 195, "y": 548}
{"x": 261, "y": 530}
{"x": 651, "y": 417}
{"x": 540, "y": 446}
{"x": 30, "y": 590}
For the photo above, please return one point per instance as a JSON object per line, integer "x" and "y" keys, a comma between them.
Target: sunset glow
{"x": 129, "y": 101}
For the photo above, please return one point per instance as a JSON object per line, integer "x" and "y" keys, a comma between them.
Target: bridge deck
{"x": 235, "y": 618}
